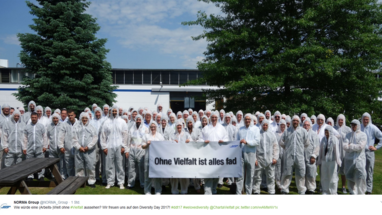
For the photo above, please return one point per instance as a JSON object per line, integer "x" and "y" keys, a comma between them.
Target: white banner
{"x": 194, "y": 160}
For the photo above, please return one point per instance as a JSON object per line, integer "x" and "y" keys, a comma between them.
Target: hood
{"x": 310, "y": 123}
{"x": 265, "y": 121}
{"x": 230, "y": 118}
{"x": 321, "y": 116}
{"x": 357, "y": 123}
{"x": 16, "y": 112}
{"x": 84, "y": 114}
{"x": 46, "y": 109}
{"x": 55, "y": 115}
{"x": 314, "y": 118}
{"x": 330, "y": 119}
{"x": 330, "y": 129}
{"x": 341, "y": 116}
{"x": 31, "y": 102}
{"x": 159, "y": 105}
{"x": 189, "y": 119}
{"x": 366, "y": 115}
{"x": 111, "y": 112}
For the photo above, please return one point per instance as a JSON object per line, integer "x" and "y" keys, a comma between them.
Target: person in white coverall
{"x": 372, "y": 133}
{"x": 153, "y": 135}
{"x": 311, "y": 154}
{"x": 114, "y": 136}
{"x": 85, "y": 138}
{"x": 355, "y": 159}
{"x": 12, "y": 139}
{"x": 329, "y": 159}
{"x": 35, "y": 142}
{"x": 53, "y": 133}
{"x": 249, "y": 137}
{"x": 213, "y": 132}
{"x": 343, "y": 130}
{"x": 267, "y": 154}
{"x": 181, "y": 137}
{"x": 278, "y": 167}
{"x": 294, "y": 141}
{"x": 136, "y": 158}
{"x": 97, "y": 122}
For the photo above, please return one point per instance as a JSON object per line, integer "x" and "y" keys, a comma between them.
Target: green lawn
{"x": 224, "y": 190}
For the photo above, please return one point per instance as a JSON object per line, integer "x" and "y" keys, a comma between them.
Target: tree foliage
{"x": 313, "y": 56}
{"x": 68, "y": 60}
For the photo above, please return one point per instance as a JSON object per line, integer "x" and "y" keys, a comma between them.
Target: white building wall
{"x": 6, "y": 96}
{"x": 138, "y": 99}
{"x": 3, "y": 63}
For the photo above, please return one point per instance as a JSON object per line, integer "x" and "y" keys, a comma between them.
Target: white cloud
{"x": 154, "y": 25}
{"x": 11, "y": 39}
{"x": 192, "y": 62}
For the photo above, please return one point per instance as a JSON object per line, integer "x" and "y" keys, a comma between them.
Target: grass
{"x": 377, "y": 189}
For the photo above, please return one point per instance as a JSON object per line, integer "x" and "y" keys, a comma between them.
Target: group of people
{"x": 110, "y": 145}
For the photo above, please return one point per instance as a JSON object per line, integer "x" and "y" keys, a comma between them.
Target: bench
{"x": 69, "y": 186}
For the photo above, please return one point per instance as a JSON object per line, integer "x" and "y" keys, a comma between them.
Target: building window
{"x": 174, "y": 78}
{"x": 14, "y": 76}
{"x": 146, "y": 77}
{"x": 189, "y": 102}
{"x": 129, "y": 75}
{"x": 156, "y": 77}
{"x": 119, "y": 77}
{"x": 165, "y": 77}
{"x": 137, "y": 77}
{"x": 4, "y": 76}
{"x": 183, "y": 77}
{"x": 192, "y": 76}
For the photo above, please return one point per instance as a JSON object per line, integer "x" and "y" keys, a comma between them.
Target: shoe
{"x": 121, "y": 187}
{"x": 104, "y": 184}
{"x": 152, "y": 190}
{"x": 107, "y": 186}
{"x": 309, "y": 192}
{"x": 283, "y": 193}
{"x": 92, "y": 186}
{"x": 220, "y": 186}
{"x": 344, "y": 190}
{"x": 368, "y": 193}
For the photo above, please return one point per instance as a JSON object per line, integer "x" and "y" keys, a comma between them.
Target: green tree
{"x": 68, "y": 60}
{"x": 313, "y": 56}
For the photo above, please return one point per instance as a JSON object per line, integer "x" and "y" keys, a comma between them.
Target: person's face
{"x": 106, "y": 111}
{"x": 327, "y": 134}
{"x": 320, "y": 122}
{"x": 295, "y": 123}
{"x": 120, "y": 111}
{"x": 267, "y": 115}
{"x": 138, "y": 121}
{"x": 22, "y": 112}
{"x": 312, "y": 120}
{"x": 129, "y": 116}
{"x": 288, "y": 124}
{"x": 365, "y": 121}
{"x": 208, "y": 114}
{"x": 48, "y": 112}
{"x": 154, "y": 115}
{"x": 221, "y": 115}
{"x": 64, "y": 114}
{"x": 172, "y": 119}
{"x": 94, "y": 108}
{"x": 239, "y": 117}
{"x": 185, "y": 116}
{"x": 72, "y": 117}
{"x": 234, "y": 123}
{"x": 11, "y": 111}
{"x": 115, "y": 112}
{"x": 303, "y": 118}
{"x": 98, "y": 115}
{"x": 194, "y": 117}
{"x": 283, "y": 117}
{"x": 153, "y": 128}
{"x": 204, "y": 122}
{"x": 168, "y": 114}
{"x": 254, "y": 122}
{"x": 158, "y": 120}
{"x": 214, "y": 119}
{"x": 340, "y": 122}
{"x": 179, "y": 116}
{"x": 160, "y": 108}
{"x": 140, "y": 112}
{"x": 55, "y": 120}
{"x": 34, "y": 119}
{"x": 134, "y": 114}
{"x": 179, "y": 128}
{"x": 16, "y": 117}
{"x": 189, "y": 124}
{"x": 247, "y": 121}
{"x": 31, "y": 106}
{"x": 227, "y": 119}
{"x": 282, "y": 127}
{"x": 354, "y": 127}
{"x": 329, "y": 123}
{"x": 306, "y": 125}
{"x": 261, "y": 119}
{"x": 39, "y": 113}
{"x": 148, "y": 117}
{"x": 84, "y": 120}
{"x": 265, "y": 126}
{"x": 125, "y": 113}
{"x": 200, "y": 114}
{"x": 277, "y": 118}
{"x": 164, "y": 123}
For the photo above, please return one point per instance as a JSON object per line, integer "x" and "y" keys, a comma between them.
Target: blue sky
{"x": 141, "y": 33}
